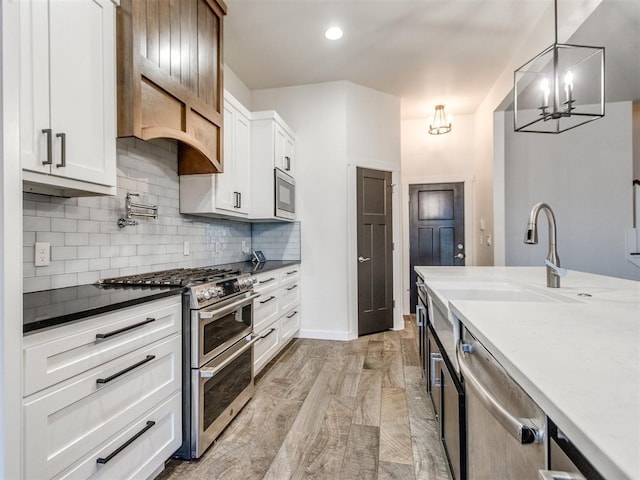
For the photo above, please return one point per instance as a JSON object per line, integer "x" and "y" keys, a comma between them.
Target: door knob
{"x": 459, "y": 255}
{"x": 361, "y": 259}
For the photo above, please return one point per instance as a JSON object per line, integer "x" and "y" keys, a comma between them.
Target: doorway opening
{"x": 375, "y": 250}
{"x": 436, "y": 228}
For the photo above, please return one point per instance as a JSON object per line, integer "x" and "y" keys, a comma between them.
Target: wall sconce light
{"x": 441, "y": 123}
{"x": 559, "y": 89}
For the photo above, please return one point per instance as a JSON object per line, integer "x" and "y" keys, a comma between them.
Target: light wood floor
{"x": 331, "y": 410}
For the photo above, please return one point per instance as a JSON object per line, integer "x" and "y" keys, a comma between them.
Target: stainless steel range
{"x": 217, "y": 348}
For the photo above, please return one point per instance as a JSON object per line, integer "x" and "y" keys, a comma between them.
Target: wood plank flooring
{"x": 331, "y": 410}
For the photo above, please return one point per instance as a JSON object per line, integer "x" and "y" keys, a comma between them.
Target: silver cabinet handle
{"x": 459, "y": 255}
{"x": 361, "y": 259}
{"x": 287, "y": 161}
{"x": 293, "y": 314}
{"x": 419, "y": 321}
{"x": 49, "y": 160}
{"x": 435, "y": 358}
{"x": 515, "y": 426}
{"x": 420, "y": 284}
{"x": 63, "y": 149}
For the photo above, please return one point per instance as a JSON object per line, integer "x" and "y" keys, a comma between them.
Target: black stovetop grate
{"x": 180, "y": 277}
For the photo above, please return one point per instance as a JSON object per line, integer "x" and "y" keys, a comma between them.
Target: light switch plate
{"x": 42, "y": 254}
{"x": 185, "y": 248}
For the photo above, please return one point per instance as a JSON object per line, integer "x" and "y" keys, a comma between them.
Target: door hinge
{"x": 393, "y": 245}
{"x": 393, "y": 304}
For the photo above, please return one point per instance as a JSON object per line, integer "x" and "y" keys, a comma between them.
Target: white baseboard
{"x": 325, "y": 335}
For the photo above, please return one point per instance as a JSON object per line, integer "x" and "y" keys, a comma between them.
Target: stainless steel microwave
{"x": 285, "y": 195}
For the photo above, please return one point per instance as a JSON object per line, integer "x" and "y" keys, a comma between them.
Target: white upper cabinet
{"x": 272, "y": 146}
{"x": 67, "y": 96}
{"x": 224, "y": 194}
{"x": 284, "y": 149}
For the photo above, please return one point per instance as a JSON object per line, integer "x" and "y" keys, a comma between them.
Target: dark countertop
{"x": 50, "y": 308}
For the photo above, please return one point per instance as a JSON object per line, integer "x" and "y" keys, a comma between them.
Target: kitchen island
{"x": 574, "y": 349}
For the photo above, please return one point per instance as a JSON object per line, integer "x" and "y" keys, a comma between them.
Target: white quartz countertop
{"x": 577, "y": 356}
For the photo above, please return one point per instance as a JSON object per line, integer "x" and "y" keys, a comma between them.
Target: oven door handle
{"x": 205, "y": 315}
{"x": 206, "y": 372}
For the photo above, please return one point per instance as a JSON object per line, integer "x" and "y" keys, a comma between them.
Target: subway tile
{"x": 99, "y": 239}
{"x": 109, "y": 251}
{"x": 64, "y": 253}
{"x": 88, "y": 252}
{"x": 98, "y": 264}
{"x": 85, "y": 278}
{"x": 88, "y": 226}
{"x": 64, "y": 225}
{"x": 75, "y": 266}
{"x": 80, "y": 213}
{"x": 66, "y": 280}
{"x": 54, "y": 268}
{"x": 76, "y": 238}
{"x": 119, "y": 262}
{"x": 28, "y": 238}
{"x": 36, "y": 284}
{"x": 54, "y": 238}
{"x": 36, "y": 224}
{"x": 102, "y": 215}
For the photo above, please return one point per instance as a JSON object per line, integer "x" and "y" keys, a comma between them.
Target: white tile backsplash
{"x": 88, "y": 245}
{"x": 278, "y": 241}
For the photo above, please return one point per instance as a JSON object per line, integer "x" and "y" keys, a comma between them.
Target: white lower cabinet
{"x": 118, "y": 419}
{"x": 276, "y": 312}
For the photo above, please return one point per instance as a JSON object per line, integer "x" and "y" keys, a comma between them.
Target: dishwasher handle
{"x": 515, "y": 426}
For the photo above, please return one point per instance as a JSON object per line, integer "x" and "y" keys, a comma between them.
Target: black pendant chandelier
{"x": 560, "y": 88}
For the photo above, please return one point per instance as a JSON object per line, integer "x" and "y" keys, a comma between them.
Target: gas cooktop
{"x": 180, "y": 277}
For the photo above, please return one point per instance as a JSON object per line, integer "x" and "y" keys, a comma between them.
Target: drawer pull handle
{"x": 292, "y": 287}
{"x": 268, "y": 333}
{"x": 104, "y": 460}
{"x": 267, "y": 280}
{"x": 292, "y": 272}
{"x": 128, "y": 369}
{"x": 102, "y": 336}
{"x": 292, "y": 314}
{"x": 267, "y": 300}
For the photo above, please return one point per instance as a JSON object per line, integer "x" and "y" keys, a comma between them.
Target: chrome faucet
{"x": 554, "y": 272}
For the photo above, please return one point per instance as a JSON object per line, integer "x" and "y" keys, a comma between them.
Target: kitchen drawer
{"x": 266, "y": 348}
{"x": 289, "y": 325}
{"x": 66, "y": 421}
{"x": 265, "y": 309}
{"x": 266, "y": 280}
{"x": 57, "y": 354}
{"x": 290, "y": 274}
{"x": 142, "y": 456}
{"x": 290, "y": 297}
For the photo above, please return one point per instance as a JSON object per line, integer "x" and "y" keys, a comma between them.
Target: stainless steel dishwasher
{"x": 505, "y": 428}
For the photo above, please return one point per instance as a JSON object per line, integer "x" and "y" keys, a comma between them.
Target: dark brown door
{"x": 375, "y": 251}
{"x": 436, "y": 228}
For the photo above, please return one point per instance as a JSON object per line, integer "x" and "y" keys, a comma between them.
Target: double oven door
{"x": 221, "y": 367}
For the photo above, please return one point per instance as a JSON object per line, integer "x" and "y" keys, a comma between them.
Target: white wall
{"x": 489, "y": 160}
{"x": 323, "y": 117}
{"x": 434, "y": 159}
{"x": 585, "y": 176}
{"x": 10, "y": 252}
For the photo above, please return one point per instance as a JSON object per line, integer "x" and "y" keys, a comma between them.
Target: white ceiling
{"x": 423, "y": 51}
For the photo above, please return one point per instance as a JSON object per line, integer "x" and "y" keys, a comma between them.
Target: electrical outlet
{"x": 185, "y": 248}
{"x": 43, "y": 254}
{"x": 489, "y": 240}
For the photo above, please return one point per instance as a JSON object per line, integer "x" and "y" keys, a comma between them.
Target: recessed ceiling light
{"x": 333, "y": 33}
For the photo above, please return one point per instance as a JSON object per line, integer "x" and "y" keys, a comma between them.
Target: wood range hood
{"x": 169, "y": 56}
